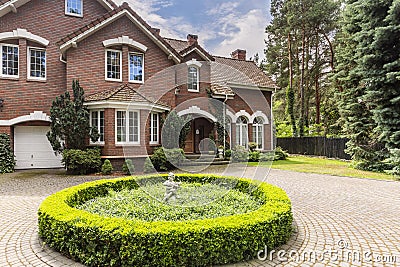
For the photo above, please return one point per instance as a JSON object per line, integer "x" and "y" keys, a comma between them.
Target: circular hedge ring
{"x": 95, "y": 240}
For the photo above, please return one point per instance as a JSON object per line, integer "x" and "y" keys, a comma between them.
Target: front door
{"x": 199, "y": 136}
{"x": 201, "y": 129}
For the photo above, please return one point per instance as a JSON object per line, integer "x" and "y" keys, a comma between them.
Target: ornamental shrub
{"x": 228, "y": 154}
{"x": 128, "y": 167}
{"x": 96, "y": 240}
{"x": 78, "y": 161}
{"x": 254, "y": 156}
{"x": 252, "y": 146}
{"x": 280, "y": 154}
{"x": 7, "y": 161}
{"x": 239, "y": 154}
{"x": 107, "y": 167}
{"x": 166, "y": 159}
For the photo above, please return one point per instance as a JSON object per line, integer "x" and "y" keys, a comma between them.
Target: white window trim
{"x": 97, "y": 126}
{"x": 120, "y": 65}
{"x": 152, "y": 142}
{"x": 129, "y": 67}
{"x": 127, "y": 127}
{"x": 255, "y": 138}
{"x": 1, "y": 61}
{"x": 73, "y": 14}
{"x": 28, "y": 55}
{"x": 198, "y": 78}
{"x": 239, "y": 138}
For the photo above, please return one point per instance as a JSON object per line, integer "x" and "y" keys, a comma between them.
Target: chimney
{"x": 239, "y": 54}
{"x": 192, "y": 39}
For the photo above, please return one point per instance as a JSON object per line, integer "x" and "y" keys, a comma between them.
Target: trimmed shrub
{"x": 280, "y": 154}
{"x": 78, "y": 161}
{"x": 252, "y": 146}
{"x": 107, "y": 167}
{"x": 166, "y": 159}
{"x": 254, "y": 156}
{"x": 228, "y": 154}
{"x": 239, "y": 154}
{"x": 7, "y": 160}
{"x": 128, "y": 167}
{"x": 267, "y": 156}
{"x": 148, "y": 166}
{"x": 95, "y": 240}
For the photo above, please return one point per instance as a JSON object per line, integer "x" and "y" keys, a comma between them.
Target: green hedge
{"x": 100, "y": 241}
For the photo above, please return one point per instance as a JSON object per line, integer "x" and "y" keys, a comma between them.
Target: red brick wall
{"x": 46, "y": 19}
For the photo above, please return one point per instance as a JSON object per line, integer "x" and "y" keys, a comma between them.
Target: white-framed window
{"x": 242, "y": 131}
{"x": 9, "y": 60}
{"x": 154, "y": 128}
{"x": 258, "y": 132}
{"x": 36, "y": 63}
{"x": 193, "y": 79}
{"x": 113, "y": 65}
{"x": 97, "y": 120}
{"x": 136, "y": 67}
{"x": 127, "y": 127}
{"x": 74, "y": 7}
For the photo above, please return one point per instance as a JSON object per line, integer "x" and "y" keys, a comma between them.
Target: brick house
{"x": 132, "y": 77}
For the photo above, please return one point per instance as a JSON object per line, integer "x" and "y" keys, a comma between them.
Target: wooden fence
{"x": 317, "y": 146}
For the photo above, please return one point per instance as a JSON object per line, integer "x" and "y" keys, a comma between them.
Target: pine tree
{"x": 70, "y": 128}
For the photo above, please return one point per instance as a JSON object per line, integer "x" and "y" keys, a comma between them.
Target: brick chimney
{"x": 192, "y": 39}
{"x": 239, "y": 54}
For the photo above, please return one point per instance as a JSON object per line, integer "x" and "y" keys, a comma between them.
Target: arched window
{"x": 193, "y": 79}
{"x": 241, "y": 131}
{"x": 258, "y": 132}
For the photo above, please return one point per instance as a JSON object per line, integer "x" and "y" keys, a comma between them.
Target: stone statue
{"x": 171, "y": 188}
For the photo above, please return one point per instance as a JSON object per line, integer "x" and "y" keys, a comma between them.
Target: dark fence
{"x": 317, "y": 146}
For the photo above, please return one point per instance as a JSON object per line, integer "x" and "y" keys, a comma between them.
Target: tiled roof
{"x": 108, "y": 1}
{"x": 239, "y": 72}
{"x": 123, "y": 93}
{"x": 178, "y": 45}
{"x": 124, "y": 6}
{"x": 221, "y": 89}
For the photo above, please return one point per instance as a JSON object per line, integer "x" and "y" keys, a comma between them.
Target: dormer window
{"x": 9, "y": 60}
{"x": 37, "y": 63}
{"x": 193, "y": 75}
{"x": 136, "y": 63}
{"x": 74, "y": 7}
{"x": 113, "y": 65}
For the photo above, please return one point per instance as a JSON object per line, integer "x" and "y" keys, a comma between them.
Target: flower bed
{"x": 97, "y": 240}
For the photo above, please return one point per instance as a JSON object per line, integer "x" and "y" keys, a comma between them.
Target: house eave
{"x": 125, "y": 105}
{"x": 251, "y": 87}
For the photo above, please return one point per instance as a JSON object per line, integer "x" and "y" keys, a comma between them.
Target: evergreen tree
{"x": 70, "y": 128}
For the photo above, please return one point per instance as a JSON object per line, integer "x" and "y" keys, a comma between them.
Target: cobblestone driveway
{"x": 356, "y": 222}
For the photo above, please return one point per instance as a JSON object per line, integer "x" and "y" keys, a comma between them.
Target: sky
{"x": 222, "y": 25}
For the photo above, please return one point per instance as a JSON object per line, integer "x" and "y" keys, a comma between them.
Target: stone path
{"x": 339, "y": 221}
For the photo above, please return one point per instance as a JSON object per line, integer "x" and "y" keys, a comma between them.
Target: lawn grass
{"x": 324, "y": 166}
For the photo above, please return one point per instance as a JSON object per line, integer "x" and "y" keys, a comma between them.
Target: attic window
{"x": 74, "y": 7}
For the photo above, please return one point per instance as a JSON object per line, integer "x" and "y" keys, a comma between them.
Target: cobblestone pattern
{"x": 348, "y": 215}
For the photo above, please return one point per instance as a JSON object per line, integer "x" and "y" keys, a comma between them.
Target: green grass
{"x": 195, "y": 202}
{"x": 324, "y": 166}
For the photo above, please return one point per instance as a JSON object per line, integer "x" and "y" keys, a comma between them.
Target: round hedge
{"x": 102, "y": 241}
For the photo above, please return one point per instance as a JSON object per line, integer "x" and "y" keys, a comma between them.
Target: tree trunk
{"x": 302, "y": 96}
{"x": 317, "y": 94}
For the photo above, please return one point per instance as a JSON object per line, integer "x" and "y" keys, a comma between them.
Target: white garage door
{"x": 32, "y": 149}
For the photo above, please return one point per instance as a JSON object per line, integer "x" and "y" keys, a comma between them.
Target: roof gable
{"x": 7, "y": 6}
{"x": 72, "y": 39}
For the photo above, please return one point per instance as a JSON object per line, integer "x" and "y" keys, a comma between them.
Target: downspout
{"x": 224, "y": 119}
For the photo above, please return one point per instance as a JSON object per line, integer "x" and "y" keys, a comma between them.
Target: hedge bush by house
{"x": 7, "y": 160}
{"x": 101, "y": 241}
{"x": 78, "y": 161}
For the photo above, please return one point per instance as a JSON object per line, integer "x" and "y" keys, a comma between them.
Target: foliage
{"x": 69, "y": 127}
{"x": 175, "y": 126}
{"x": 78, "y": 161}
{"x": 280, "y": 154}
{"x": 394, "y": 161}
{"x": 267, "y": 156}
{"x": 300, "y": 56}
{"x": 166, "y": 159}
{"x": 128, "y": 167}
{"x": 148, "y": 166}
{"x": 254, "y": 156}
{"x": 239, "y": 154}
{"x": 107, "y": 167}
{"x": 196, "y": 202}
{"x": 7, "y": 161}
{"x": 368, "y": 62}
{"x": 103, "y": 241}
{"x": 283, "y": 129}
{"x": 252, "y": 146}
{"x": 227, "y": 154}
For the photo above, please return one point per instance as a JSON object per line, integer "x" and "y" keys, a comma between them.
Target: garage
{"x": 32, "y": 149}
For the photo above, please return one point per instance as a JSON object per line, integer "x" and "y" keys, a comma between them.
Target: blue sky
{"x": 222, "y": 25}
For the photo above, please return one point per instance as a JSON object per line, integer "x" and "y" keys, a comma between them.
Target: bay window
{"x": 97, "y": 120}
{"x": 127, "y": 127}
{"x": 136, "y": 67}
{"x": 9, "y": 60}
{"x": 154, "y": 128}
